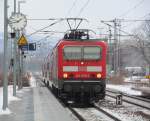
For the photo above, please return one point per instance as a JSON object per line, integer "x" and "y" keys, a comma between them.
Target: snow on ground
{"x": 134, "y": 79}
{"x": 92, "y": 114}
{"x": 126, "y": 115}
{"x": 10, "y": 98}
{"x": 124, "y": 88}
{"x": 125, "y": 112}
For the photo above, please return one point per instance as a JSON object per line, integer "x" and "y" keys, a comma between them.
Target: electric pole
{"x": 21, "y": 55}
{"x": 5, "y": 80}
{"x": 114, "y": 43}
{"x": 110, "y": 49}
{"x": 15, "y": 59}
{"x": 115, "y": 49}
{"x": 119, "y": 39}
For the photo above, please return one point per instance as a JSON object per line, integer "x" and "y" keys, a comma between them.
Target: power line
{"x": 82, "y": 9}
{"x": 69, "y": 11}
{"x": 148, "y": 14}
{"x": 37, "y": 41}
{"x": 52, "y": 32}
{"x": 39, "y": 19}
{"x": 45, "y": 27}
{"x": 133, "y": 20}
{"x": 133, "y": 35}
{"x": 129, "y": 10}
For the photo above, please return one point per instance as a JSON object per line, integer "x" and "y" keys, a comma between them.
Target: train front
{"x": 82, "y": 69}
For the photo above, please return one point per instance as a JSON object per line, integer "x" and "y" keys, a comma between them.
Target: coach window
{"x": 72, "y": 53}
{"x": 92, "y": 53}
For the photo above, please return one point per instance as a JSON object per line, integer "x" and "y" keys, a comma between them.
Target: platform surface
{"x": 37, "y": 104}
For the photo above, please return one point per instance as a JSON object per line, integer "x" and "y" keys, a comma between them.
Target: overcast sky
{"x": 93, "y": 10}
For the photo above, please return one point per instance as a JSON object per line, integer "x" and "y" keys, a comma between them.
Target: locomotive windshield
{"x": 72, "y": 53}
{"x": 82, "y": 52}
{"x": 92, "y": 53}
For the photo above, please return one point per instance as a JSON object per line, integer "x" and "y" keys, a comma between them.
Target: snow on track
{"x": 124, "y": 88}
{"x": 125, "y": 112}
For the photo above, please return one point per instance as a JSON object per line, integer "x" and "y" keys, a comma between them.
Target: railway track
{"x": 141, "y": 102}
{"x": 95, "y": 112}
{"x": 87, "y": 115}
{"x": 124, "y": 94}
{"x": 80, "y": 116}
{"x": 108, "y": 114}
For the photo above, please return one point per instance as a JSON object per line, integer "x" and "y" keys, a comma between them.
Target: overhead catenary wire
{"x": 41, "y": 19}
{"x": 52, "y": 32}
{"x": 58, "y": 20}
{"x": 37, "y": 41}
{"x": 84, "y": 6}
{"x": 148, "y": 14}
{"x": 131, "y": 20}
{"x": 45, "y": 27}
{"x": 131, "y": 9}
{"x": 133, "y": 35}
{"x": 73, "y": 5}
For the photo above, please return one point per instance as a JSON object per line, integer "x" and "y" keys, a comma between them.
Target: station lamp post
{"x": 19, "y": 2}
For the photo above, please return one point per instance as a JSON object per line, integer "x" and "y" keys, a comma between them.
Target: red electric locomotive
{"x": 76, "y": 68}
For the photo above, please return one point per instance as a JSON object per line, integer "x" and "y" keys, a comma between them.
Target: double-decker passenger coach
{"x": 76, "y": 68}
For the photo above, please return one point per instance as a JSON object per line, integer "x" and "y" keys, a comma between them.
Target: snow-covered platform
{"x": 36, "y": 103}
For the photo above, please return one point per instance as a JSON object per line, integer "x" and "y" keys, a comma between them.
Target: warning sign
{"x": 22, "y": 41}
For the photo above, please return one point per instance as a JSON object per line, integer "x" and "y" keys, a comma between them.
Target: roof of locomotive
{"x": 76, "y": 36}
{"x": 80, "y": 35}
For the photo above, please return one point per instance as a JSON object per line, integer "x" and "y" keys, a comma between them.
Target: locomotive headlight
{"x": 98, "y": 75}
{"x": 65, "y": 75}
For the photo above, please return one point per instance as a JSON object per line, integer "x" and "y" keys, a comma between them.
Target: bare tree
{"x": 142, "y": 39}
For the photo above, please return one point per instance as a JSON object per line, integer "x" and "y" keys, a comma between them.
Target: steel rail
{"x": 134, "y": 97}
{"x": 80, "y": 117}
{"x": 76, "y": 114}
{"x": 130, "y": 102}
{"x": 106, "y": 113}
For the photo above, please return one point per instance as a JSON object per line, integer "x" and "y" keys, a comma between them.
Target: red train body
{"x": 76, "y": 69}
